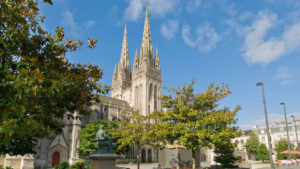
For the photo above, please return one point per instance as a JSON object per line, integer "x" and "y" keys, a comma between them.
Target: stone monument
{"x": 105, "y": 156}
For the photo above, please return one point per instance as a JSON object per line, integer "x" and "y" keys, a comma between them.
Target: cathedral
{"x": 136, "y": 87}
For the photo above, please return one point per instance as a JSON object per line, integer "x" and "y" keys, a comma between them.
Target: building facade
{"x": 277, "y": 132}
{"x": 133, "y": 88}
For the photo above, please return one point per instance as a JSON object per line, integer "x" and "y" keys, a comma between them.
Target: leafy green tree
{"x": 262, "y": 153}
{"x": 38, "y": 86}
{"x": 88, "y": 142}
{"x": 252, "y": 144}
{"x": 195, "y": 120}
{"x": 135, "y": 129}
{"x": 280, "y": 146}
{"x": 225, "y": 154}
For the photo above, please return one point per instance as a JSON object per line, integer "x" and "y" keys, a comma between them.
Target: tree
{"x": 225, "y": 154}
{"x": 88, "y": 143}
{"x": 134, "y": 129}
{"x": 262, "y": 153}
{"x": 252, "y": 144}
{"x": 195, "y": 120}
{"x": 38, "y": 85}
{"x": 282, "y": 145}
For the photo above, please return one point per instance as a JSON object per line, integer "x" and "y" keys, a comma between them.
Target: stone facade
{"x": 64, "y": 146}
{"x": 141, "y": 86}
{"x": 136, "y": 88}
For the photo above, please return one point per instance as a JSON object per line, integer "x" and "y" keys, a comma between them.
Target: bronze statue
{"x": 105, "y": 144}
{"x": 101, "y": 135}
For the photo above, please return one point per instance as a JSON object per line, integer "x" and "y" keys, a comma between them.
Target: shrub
{"x": 63, "y": 165}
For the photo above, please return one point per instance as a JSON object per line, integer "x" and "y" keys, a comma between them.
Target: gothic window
{"x": 143, "y": 156}
{"x": 140, "y": 97}
{"x": 105, "y": 112}
{"x": 150, "y": 93}
{"x": 136, "y": 94}
{"x": 155, "y": 97}
{"x": 149, "y": 156}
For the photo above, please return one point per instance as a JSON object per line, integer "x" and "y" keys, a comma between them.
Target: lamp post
{"x": 267, "y": 125}
{"x": 287, "y": 129}
{"x": 295, "y": 131}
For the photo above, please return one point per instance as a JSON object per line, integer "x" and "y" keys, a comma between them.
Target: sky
{"x": 238, "y": 43}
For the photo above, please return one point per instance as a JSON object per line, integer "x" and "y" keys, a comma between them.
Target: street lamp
{"x": 267, "y": 125}
{"x": 287, "y": 129}
{"x": 295, "y": 131}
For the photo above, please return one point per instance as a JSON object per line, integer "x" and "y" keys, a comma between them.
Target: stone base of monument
{"x": 104, "y": 161}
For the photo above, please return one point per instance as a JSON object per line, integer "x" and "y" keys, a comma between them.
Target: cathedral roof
{"x": 114, "y": 102}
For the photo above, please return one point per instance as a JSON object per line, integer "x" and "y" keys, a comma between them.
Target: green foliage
{"x": 262, "y": 153}
{"x": 280, "y": 146}
{"x": 252, "y": 144}
{"x": 195, "y": 120}
{"x": 77, "y": 165}
{"x": 135, "y": 129}
{"x": 225, "y": 154}
{"x": 88, "y": 142}
{"x": 63, "y": 165}
{"x": 8, "y": 167}
{"x": 37, "y": 84}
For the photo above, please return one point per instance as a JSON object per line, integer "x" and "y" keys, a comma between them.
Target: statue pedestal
{"x": 104, "y": 160}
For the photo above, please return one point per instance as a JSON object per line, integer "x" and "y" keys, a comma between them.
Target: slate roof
{"x": 114, "y": 102}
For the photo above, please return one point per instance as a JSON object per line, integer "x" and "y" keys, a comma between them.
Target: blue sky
{"x": 236, "y": 42}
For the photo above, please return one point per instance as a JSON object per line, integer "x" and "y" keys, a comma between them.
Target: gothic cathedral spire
{"x": 124, "y": 61}
{"x": 122, "y": 72}
{"x": 146, "y": 47}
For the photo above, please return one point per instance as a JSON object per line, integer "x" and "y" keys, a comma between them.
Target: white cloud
{"x": 193, "y": 5}
{"x": 90, "y": 24}
{"x": 283, "y": 75}
{"x": 169, "y": 29}
{"x": 257, "y": 49}
{"x": 134, "y": 10}
{"x": 160, "y": 8}
{"x": 205, "y": 39}
{"x": 69, "y": 21}
{"x": 245, "y": 15}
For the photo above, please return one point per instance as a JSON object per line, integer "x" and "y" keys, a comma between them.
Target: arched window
{"x": 149, "y": 156}
{"x": 155, "y": 97}
{"x": 143, "y": 156}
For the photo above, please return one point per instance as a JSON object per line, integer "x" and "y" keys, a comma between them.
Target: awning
{"x": 292, "y": 152}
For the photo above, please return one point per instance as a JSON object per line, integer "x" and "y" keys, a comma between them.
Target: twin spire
{"x": 146, "y": 47}
{"x": 146, "y": 53}
{"x": 124, "y": 61}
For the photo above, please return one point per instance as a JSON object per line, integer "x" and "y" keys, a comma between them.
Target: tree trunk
{"x": 194, "y": 159}
{"x": 199, "y": 159}
{"x": 196, "y": 154}
{"x": 138, "y": 156}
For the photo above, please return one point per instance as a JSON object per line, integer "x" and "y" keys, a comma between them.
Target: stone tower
{"x": 141, "y": 87}
{"x": 146, "y": 74}
{"x": 121, "y": 82}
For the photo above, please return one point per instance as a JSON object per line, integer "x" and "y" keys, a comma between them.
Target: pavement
{"x": 286, "y": 167}
{"x": 151, "y": 166}
{"x": 142, "y": 166}
{"x": 155, "y": 166}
